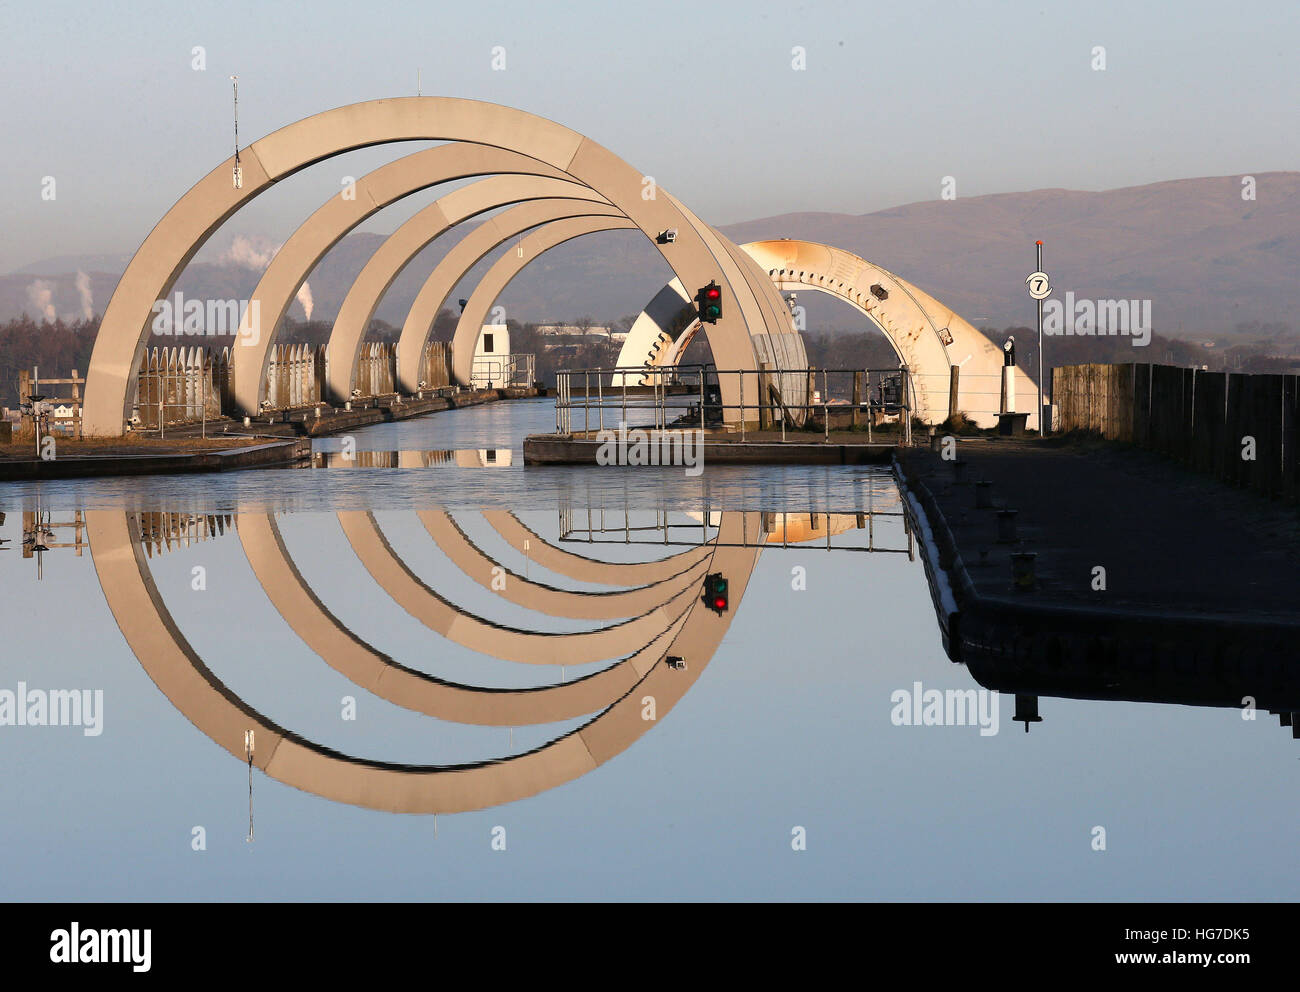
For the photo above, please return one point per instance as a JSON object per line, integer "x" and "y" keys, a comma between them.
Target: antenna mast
{"x": 239, "y": 173}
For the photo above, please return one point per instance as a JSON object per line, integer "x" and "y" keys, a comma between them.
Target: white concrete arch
{"x": 927, "y": 336}
{"x": 183, "y": 230}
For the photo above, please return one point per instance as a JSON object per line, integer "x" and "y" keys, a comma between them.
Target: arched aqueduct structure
{"x": 542, "y": 184}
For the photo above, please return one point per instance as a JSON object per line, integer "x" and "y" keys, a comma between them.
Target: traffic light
{"x": 715, "y": 593}
{"x": 709, "y": 302}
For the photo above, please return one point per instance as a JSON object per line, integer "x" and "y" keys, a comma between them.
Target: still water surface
{"x": 355, "y": 616}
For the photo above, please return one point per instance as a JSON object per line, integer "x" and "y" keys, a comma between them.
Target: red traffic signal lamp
{"x": 709, "y": 302}
{"x": 715, "y": 593}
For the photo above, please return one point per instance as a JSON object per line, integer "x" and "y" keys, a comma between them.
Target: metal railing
{"x": 174, "y": 397}
{"x": 499, "y": 371}
{"x": 691, "y": 396}
{"x": 812, "y": 529}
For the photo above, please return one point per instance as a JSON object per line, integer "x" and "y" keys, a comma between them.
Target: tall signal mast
{"x": 239, "y": 173}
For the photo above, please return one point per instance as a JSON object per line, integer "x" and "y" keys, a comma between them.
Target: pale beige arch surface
{"x": 550, "y": 197}
{"x": 192, "y": 220}
{"x": 508, "y": 266}
{"x": 342, "y": 212}
{"x": 174, "y": 666}
{"x": 378, "y": 673}
{"x": 496, "y": 640}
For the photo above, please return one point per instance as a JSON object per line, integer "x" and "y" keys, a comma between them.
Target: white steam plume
{"x": 40, "y": 295}
{"x": 304, "y": 297}
{"x": 250, "y": 253}
{"x": 83, "y": 291}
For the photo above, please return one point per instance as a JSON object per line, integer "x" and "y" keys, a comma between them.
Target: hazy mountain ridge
{"x": 1206, "y": 258}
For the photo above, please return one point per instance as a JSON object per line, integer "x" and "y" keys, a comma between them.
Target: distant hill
{"x": 1206, "y": 258}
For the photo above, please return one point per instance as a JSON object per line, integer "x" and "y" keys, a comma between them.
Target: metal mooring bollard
{"x": 1007, "y": 526}
{"x": 983, "y": 495}
{"x": 1022, "y": 570}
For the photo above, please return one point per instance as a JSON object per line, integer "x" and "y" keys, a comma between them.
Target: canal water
{"x": 419, "y": 670}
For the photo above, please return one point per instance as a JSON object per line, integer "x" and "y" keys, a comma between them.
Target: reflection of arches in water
{"x": 176, "y": 669}
{"x": 446, "y": 458}
{"x": 573, "y": 566}
{"x": 474, "y": 562}
{"x": 438, "y": 614}
{"x": 292, "y": 597}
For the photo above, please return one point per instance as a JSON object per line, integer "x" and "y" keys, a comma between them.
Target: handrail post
{"x": 871, "y": 412}
{"x": 826, "y": 413}
{"x": 742, "y": 404}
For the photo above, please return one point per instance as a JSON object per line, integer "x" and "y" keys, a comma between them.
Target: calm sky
{"x": 892, "y": 98}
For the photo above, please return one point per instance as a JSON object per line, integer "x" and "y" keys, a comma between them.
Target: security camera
{"x": 356, "y": 393}
{"x": 667, "y": 237}
{"x": 422, "y": 383}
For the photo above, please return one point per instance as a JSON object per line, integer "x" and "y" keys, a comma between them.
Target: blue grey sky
{"x": 1003, "y": 97}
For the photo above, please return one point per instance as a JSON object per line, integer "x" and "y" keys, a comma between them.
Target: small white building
{"x": 491, "y": 358}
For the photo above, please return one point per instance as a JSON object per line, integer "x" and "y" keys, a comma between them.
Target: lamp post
{"x": 1040, "y": 288}
{"x": 37, "y": 401}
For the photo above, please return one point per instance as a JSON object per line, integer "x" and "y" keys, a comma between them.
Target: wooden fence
{"x": 1237, "y": 427}
{"x": 182, "y": 385}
